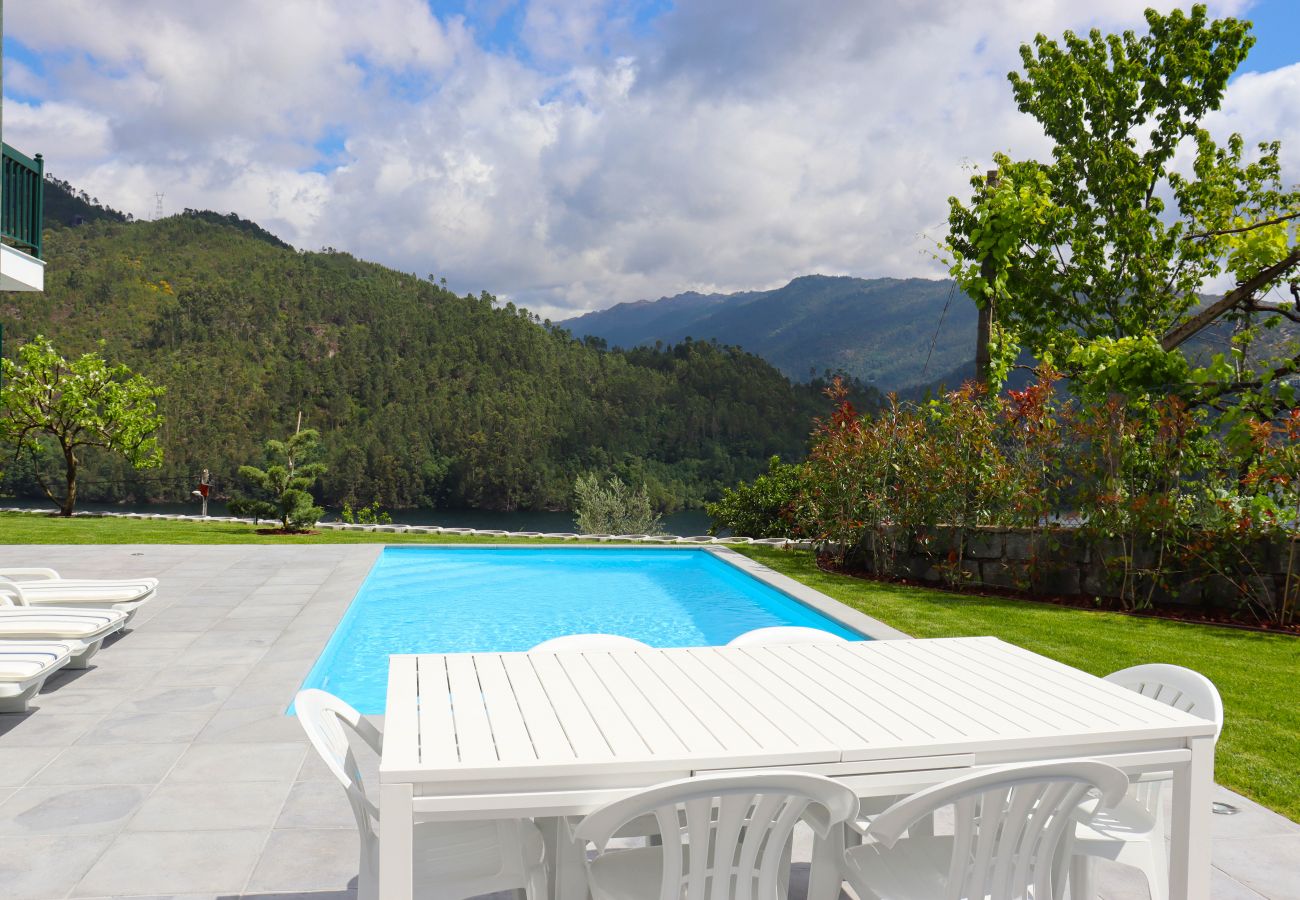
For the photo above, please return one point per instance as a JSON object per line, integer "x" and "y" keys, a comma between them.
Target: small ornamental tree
{"x": 284, "y": 483}
{"x": 613, "y": 507}
{"x": 50, "y": 404}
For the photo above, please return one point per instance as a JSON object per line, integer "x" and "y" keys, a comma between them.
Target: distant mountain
{"x": 879, "y": 330}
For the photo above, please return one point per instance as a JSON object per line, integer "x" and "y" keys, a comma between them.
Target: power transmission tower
{"x": 157, "y": 208}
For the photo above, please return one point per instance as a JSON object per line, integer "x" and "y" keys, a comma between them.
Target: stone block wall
{"x": 1062, "y": 562}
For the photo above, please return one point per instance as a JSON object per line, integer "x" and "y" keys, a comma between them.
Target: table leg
{"x": 564, "y": 860}
{"x": 396, "y": 842}
{"x": 1189, "y": 850}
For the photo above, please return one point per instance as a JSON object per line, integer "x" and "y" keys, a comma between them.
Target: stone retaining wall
{"x": 1061, "y": 562}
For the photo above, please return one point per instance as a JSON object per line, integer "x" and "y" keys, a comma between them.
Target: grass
{"x": 1256, "y": 673}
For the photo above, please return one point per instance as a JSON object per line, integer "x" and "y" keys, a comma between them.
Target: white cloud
{"x": 730, "y": 145}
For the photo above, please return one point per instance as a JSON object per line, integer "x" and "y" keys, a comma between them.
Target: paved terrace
{"x": 170, "y": 770}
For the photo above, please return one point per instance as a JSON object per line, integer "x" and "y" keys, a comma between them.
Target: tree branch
{"x": 1237, "y": 295}
{"x": 1267, "y": 222}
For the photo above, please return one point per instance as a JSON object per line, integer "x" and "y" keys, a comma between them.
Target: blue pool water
{"x": 465, "y": 599}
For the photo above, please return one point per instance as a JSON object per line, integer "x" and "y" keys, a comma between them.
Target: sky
{"x": 571, "y": 154}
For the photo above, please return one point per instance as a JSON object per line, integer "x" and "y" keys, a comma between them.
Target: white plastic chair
{"x": 1133, "y": 833}
{"x": 588, "y": 642}
{"x": 1009, "y": 827}
{"x": 727, "y": 837}
{"x": 784, "y": 634}
{"x": 452, "y": 860}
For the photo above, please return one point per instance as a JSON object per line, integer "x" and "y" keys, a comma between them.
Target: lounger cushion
{"x": 22, "y": 662}
{"x": 59, "y": 624}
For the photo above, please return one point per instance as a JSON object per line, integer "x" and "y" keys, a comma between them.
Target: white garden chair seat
{"x": 24, "y": 666}
{"x": 451, "y": 860}
{"x": 593, "y": 641}
{"x": 1133, "y": 833}
{"x": 1009, "y": 825}
{"x": 784, "y": 634}
{"x": 84, "y": 629}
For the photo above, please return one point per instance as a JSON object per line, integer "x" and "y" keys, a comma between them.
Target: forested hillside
{"x": 422, "y": 396}
{"x": 880, "y": 330}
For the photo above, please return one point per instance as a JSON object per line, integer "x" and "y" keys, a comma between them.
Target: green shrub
{"x": 283, "y": 484}
{"x": 764, "y": 507}
{"x": 612, "y": 507}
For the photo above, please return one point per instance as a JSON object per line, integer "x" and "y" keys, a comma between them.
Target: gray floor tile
{"x": 82, "y": 809}
{"x": 111, "y": 764}
{"x": 1267, "y": 866}
{"x": 263, "y": 625}
{"x": 159, "y": 639}
{"x": 211, "y": 674}
{"x": 251, "y": 693}
{"x": 73, "y": 698}
{"x": 122, "y": 655}
{"x": 146, "y": 728}
{"x": 231, "y": 763}
{"x": 317, "y": 804}
{"x": 40, "y": 868}
{"x": 230, "y": 640}
{"x": 117, "y": 680}
{"x": 258, "y": 610}
{"x": 306, "y": 860}
{"x": 169, "y": 863}
{"x": 18, "y": 764}
{"x": 52, "y": 732}
{"x": 171, "y": 698}
{"x": 222, "y": 654}
{"x": 210, "y": 807}
{"x": 255, "y": 724}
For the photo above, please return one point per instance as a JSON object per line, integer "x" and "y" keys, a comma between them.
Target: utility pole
{"x": 984, "y": 332}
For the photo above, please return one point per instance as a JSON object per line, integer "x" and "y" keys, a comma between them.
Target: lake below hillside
{"x": 686, "y": 522}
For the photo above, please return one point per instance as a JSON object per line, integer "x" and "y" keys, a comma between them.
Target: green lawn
{"x": 1259, "y": 754}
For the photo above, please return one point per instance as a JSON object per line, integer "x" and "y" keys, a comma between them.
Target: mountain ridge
{"x": 879, "y": 330}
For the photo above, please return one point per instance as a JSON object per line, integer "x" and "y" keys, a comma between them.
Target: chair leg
{"x": 1081, "y": 878}
{"x": 1157, "y": 870}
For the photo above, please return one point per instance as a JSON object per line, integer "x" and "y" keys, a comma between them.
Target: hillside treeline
{"x": 422, "y": 397}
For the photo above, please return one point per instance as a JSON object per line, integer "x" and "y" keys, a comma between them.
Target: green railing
{"x": 22, "y": 200}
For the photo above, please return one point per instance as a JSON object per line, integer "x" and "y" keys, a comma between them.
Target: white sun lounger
{"x": 84, "y": 629}
{"x": 24, "y": 666}
{"x": 41, "y": 578}
{"x": 127, "y": 597}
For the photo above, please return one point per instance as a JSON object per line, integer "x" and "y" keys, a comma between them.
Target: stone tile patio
{"x": 170, "y": 770}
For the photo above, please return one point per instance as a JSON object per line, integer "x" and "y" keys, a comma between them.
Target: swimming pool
{"x": 467, "y": 599}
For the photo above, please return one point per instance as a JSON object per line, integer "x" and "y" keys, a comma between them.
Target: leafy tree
{"x": 762, "y": 508}
{"x": 50, "y": 403}
{"x": 613, "y": 507}
{"x": 284, "y": 484}
{"x": 1112, "y": 239}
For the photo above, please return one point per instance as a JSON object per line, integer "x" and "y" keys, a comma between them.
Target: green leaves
{"x": 47, "y": 400}
{"x": 284, "y": 483}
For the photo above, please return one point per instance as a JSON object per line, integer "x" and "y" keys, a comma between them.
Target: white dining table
{"x": 542, "y": 735}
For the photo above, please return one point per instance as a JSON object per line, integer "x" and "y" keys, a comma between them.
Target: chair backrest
{"x": 784, "y": 634}
{"x": 734, "y": 828}
{"x": 1175, "y": 686}
{"x": 324, "y": 717}
{"x": 1009, "y": 823}
{"x": 589, "y": 642}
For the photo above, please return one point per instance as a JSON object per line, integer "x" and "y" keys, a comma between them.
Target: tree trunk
{"x": 70, "y": 497}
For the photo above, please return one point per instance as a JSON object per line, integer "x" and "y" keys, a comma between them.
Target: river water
{"x": 686, "y": 522}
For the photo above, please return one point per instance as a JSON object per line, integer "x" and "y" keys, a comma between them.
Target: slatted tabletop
{"x": 498, "y": 717}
